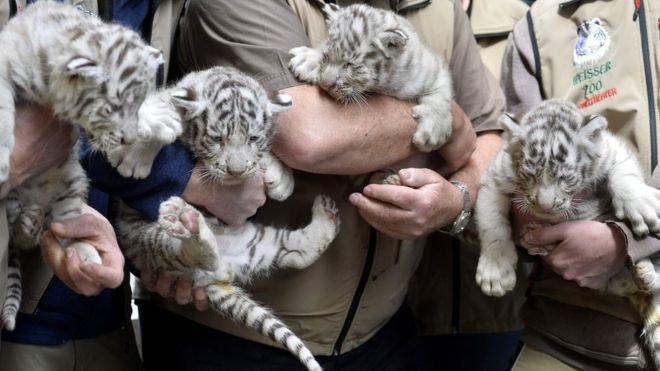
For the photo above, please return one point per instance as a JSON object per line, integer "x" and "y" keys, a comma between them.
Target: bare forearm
{"x": 320, "y": 135}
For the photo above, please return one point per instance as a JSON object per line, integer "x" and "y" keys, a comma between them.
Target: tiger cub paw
{"x": 386, "y": 176}
{"x": 496, "y": 273}
{"x": 641, "y": 206}
{"x": 645, "y": 276}
{"x": 279, "y": 182}
{"x": 305, "y": 63}
{"x": 432, "y": 132}
{"x": 28, "y": 227}
{"x": 325, "y": 210}
{"x": 179, "y": 219}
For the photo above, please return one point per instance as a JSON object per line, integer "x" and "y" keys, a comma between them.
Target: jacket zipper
{"x": 371, "y": 252}
{"x": 649, "y": 81}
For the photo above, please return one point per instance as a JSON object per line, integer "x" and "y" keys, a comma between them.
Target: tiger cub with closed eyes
{"x": 559, "y": 165}
{"x": 371, "y": 50}
{"x": 91, "y": 74}
{"x": 227, "y": 122}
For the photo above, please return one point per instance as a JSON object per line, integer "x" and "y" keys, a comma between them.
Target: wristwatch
{"x": 463, "y": 217}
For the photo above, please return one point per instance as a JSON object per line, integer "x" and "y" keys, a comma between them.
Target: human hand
{"x": 462, "y": 142}
{"x": 587, "y": 252}
{"x": 232, "y": 204}
{"x": 41, "y": 141}
{"x": 180, "y": 289}
{"x": 85, "y": 278}
{"x": 424, "y": 202}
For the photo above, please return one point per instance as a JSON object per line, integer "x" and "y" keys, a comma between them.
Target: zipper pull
{"x": 638, "y": 4}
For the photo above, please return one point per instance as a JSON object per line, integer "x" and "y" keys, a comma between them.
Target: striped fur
{"x": 90, "y": 73}
{"x": 370, "y": 50}
{"x": 558, "y": 165}
{"x": 226, "y": 122}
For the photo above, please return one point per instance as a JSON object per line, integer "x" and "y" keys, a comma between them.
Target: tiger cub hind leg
{"x": 26, "y": 229}
{"x": 184, "y": 222}
{"x": 302, "y": 247}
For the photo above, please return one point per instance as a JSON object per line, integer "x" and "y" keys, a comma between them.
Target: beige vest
{"x": 491, "y": 22}
{"x": 616, "y": 81}
{"x": 315, "y": 302}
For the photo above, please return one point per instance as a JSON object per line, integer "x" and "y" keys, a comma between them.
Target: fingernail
{"x": 56, "y": 225}
{"x": 528, "y": 237}
{"x": 405, "y": 174}
{"x": 69, "y": 253}
{"x": 354, "y": 198}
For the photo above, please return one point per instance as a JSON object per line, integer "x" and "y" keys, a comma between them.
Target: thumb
{"x": 416, "y": 178}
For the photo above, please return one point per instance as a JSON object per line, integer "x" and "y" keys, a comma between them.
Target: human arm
{"x": 85, "y": 278}
{"x": 41, "y": 141}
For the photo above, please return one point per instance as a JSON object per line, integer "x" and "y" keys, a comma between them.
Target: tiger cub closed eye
{"x": 91, "y": 74}
{"x": 558, "y": 165}
{"x": 227, "y": 123}
{"x": 370, "y": 50}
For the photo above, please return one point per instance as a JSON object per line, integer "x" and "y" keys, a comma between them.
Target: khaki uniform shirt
{"x": 362, "y": 279}
{"x": 579, "y": 326}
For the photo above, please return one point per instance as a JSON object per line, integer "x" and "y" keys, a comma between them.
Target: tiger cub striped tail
{"x": 14, "y": 292}
{"x": 235, "y": 304}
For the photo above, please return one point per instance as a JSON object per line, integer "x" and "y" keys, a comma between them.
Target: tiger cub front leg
{"x": 305, "y": 63}
{"x": 184, "y": 222}
{"x": 277, "y": 177}
{"x": 496, "y": 269}
{"x": 303, "y": 247}
{"x": 434, "y": 121}
{"x": 632, "y": 199}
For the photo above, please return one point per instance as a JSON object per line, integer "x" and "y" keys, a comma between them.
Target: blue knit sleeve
{"x": 169, "y": 175}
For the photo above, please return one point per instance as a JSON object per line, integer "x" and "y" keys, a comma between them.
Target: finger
{"x": 106, "y": 276}
{"x": 545, "y": 236}
{"x": 76, "y": 228}
{"x": 399, "y": 196}
{"x": 83, "y": 284}
{"x": 148, "y": 279}
{"x": 200, "y": 299}
{"x": 164, "y": 285}
{"x": 183, "y": 293}
{"x": 416, "y": 178}
{"x": 391, "y": 230}
{"x": 375, "y": 208}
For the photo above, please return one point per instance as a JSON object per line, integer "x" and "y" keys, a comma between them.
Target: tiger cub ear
{"x": 187, "y": 100}
{"x": 593, "y": 126}
{"x": 281, "y": 103}
{"x": 511, "y": 126}
{"x": 391, "y": 42}
{"x": 156, "y": 58}
{"x": 80, "y": 66}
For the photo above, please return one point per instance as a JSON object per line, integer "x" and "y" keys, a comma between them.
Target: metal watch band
{"x": 463, "y": 218}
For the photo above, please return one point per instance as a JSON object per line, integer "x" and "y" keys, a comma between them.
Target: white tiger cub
{"x": 227, "y": 123}
{"x": 375, "y": 50}
{"x": 557, "y": 165}
{"x": 89, "y": 73}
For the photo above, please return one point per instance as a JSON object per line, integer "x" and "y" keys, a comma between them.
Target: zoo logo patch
{"x": 592, "y": 43}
